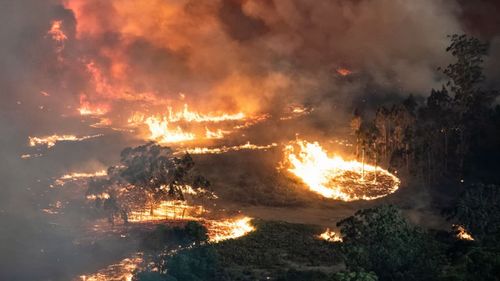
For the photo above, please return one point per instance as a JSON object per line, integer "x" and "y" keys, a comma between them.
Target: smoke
{"x": 255, "y": 56}
{"x": 245, "y": 55}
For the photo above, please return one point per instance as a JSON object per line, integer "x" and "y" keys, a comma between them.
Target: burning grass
{"x": 336, "y": 178}
{"x": 50, "y": 141}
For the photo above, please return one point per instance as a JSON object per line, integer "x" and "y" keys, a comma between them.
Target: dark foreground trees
{"x": 383, "y": 241}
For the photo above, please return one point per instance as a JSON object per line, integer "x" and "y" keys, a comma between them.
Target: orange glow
{"x": 344, "y": 71}
{"x": 185, "y": 125}
{"x": 50, "y": 141}
{"x": 191, "y": 116}
{"x": 336, "y": 178}
{"x": 462, "y": 233}
{"x": 161, "y": 133}
{"x": 79, "y": 175}
{"x": 167, "y": 210}
{"x": 219, "y": 134}
{"x": 86, "y": 108}
{"x": 224, "y": 149}
{"x": 330, "y": 236}
{"x": 122, "y": 271}
{"x": 220, "y": 230}
{"x": 56, "y": 33}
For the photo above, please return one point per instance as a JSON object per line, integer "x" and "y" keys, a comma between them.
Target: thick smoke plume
{"x": 61, "y": 58}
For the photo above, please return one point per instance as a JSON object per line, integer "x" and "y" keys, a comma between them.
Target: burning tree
{"x": 147, "y": 174}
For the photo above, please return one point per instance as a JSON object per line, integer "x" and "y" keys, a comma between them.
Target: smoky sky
{"x": 231, "y": 55}
{"x": 227, "y": 54}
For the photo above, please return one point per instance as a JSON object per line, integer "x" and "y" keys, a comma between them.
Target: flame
{"x": 27, "y": 156}
{"x": 86, "y": 108}
{"x": 166, "y": 210}
{"x": 79, "y": 176}
{"x": 50, "y": 141}
{"x": 103, "y": 195}
{"x": 295, "y": 111}
{"x": 220, "y": 230}
{"x": 161, "y": 133}
{"x": 56, "y": 33}
{"x": 224, "y": 149}
{"x": 168, "y": 128}
{"x": 344, "y": 71}
{"x": 190, "y": 116}
{"x": 462, "y": 233}
{"x": 58, "y": 36}
{"x": 330, "y": 236}
{"x": 336, "y": 178}
{"x": 122, "y": 271}
{"x": 219, "y": 134}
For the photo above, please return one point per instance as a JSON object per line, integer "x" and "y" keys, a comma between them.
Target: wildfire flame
{"x": 50, "y": 141}
{"x": 79, "y": 175}
{"x": 56, "y": 33}
{"x": 336, "y": 178}
{"x": 161, "y": 133}
{"x": 224, "y": 149}
{"x": 330, "y": 236}
{"x": 58, "y": 36}
{"x": 167, "y": 210}
{"x": 122, "y": 271}
{"x": 462, "y": 233}
{"x": 191, "y": 116}
{"x": 219, "y": 134}
{"x": 344, "y": 71}
{"x": 219, "y": 230}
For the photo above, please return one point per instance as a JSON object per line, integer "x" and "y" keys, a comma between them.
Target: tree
{"x": 147, "y": 174}
{"x": 478, "y": 210}
{"x": 471, "y": 103}
{"x": 381, "y": 240}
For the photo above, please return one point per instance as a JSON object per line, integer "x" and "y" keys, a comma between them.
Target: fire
{"x": 122, "y": 271}
{"x": 219, "y": 134}
{"x": 28, "y": 156}
{"x": 56, "y": 33}
{"x": 344, "y": 71}
{"x": 167, "y": 210}
{"x": 50, "y": 141}
{"x": 219, "y": 230}
{"x": 86, "y": 108}
{"x": 79, "y": 175}
{"x": 190, "y": 116}
{"x": 103, "y": 195}
{"x": 330, "y": 236}
{"x": 336, "y": 178}
{"x": 161, "y": 133}
{"x": 224, "y": 149}
{"x": 462, "y": 233}
{"x": 169, "y": 127}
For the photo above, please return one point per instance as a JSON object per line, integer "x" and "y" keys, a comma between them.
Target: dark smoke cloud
{"x": 250, "y": 54}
